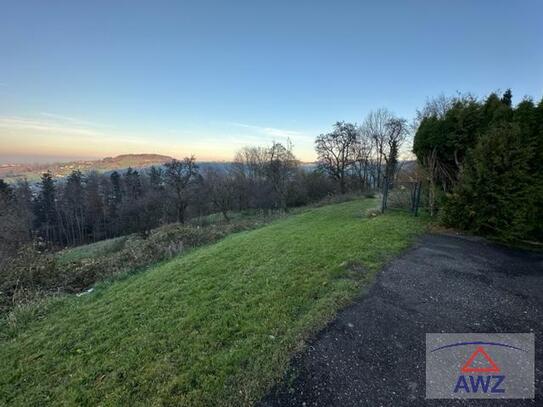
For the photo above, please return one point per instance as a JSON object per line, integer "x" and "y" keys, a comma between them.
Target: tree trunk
{"x": 432, "y": 196}
{"x": 342, "y": 184}
{"x": 225, "y": 214}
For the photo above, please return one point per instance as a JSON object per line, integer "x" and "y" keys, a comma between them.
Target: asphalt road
{"x": 373, "y": 353}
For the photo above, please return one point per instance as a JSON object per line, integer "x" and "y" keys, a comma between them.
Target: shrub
{"x": 372, "y": 212}
{"x": 496, "y": 194}
{"x": 26, "y": 276}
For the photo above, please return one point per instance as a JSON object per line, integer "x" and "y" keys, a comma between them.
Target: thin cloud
{"x": 272, "y": 132}
{"x": 19, "y": 123}
{"x": 69, "y": 119}
{"x": 49, "y": 128}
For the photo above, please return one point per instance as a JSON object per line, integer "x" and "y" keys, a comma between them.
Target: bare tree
{"x": 280, "y": 167}
{"x": 387, "y": 133}
{"x": 396, "y": 133}
{"x": 250, "y": 161}
{"x": 14, "y": 222}
{"x": 363, "y": 161}
{"x": 436, "y": 172}
{"x": 438, "y": 106}
{"x": 374, "y": 128}
{"x": 220, "y": 188}
{"x": 247, "y": 170}
{"x": 335, "y": 151}
{"x": 181, "y": 175}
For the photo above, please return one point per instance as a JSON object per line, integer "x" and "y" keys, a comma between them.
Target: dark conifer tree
{"x": 46, "y": 219}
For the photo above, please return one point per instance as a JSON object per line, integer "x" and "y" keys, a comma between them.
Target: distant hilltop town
{"x": 12, "y": 172}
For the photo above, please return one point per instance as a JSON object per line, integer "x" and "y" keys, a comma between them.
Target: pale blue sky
{"x": 96, "y": 78}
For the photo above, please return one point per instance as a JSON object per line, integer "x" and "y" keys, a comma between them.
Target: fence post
{"x": 417, "y": 199}
{"x": 413, "y": 198}
{"x": 385, "y": 195}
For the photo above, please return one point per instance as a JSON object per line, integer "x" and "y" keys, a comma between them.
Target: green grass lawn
{"x": 214, "y": 327}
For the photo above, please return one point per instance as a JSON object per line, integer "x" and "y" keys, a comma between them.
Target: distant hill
{"x": 32, "y": 172}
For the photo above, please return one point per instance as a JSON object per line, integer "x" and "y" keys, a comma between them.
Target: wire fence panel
{"x": 402, "y": 195}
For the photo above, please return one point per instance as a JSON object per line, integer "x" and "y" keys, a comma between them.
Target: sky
{"x": 89, "y": 79}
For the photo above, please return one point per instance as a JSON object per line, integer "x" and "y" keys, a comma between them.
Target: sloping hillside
{"x": 214, "y": 327}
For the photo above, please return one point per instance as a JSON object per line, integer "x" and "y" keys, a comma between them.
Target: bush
{"x": 496, "y": 194}
{"x": 25, "y": 276}
{"x": 373, "y": 212}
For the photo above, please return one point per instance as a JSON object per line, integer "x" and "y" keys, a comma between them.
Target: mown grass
{"x": 216, "y": 326}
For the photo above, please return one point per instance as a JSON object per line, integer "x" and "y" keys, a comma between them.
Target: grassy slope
{"x": 214, "y": 327}
{"x": 249, "y": 219}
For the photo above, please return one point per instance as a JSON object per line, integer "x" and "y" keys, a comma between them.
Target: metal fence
{"x": 403, "y": 195}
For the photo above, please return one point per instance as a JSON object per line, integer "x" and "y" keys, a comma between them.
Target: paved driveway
{"x": 373, "y": 354}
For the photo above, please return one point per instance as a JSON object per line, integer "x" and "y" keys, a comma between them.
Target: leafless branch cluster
{"x": 368, "y": 152}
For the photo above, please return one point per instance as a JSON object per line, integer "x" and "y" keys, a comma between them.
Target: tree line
{"x": 89, "y": 207}
{"x": 484, "y": 164}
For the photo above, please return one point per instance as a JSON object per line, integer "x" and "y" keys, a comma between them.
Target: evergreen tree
{"x": 46, "y": 219}
{"x": 495, "y": 193}
{"x": 507, "y": 98}
{"x": 489, "y": 157}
